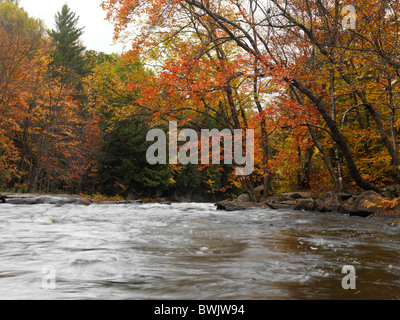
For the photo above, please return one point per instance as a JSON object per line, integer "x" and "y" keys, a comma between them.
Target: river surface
{"x": 192, "y": 251}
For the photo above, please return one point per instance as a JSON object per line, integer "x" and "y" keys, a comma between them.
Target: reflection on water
{"x": 192, "y": 251}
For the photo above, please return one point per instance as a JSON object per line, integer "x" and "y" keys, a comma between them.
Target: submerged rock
{"x": 120, "y": 202}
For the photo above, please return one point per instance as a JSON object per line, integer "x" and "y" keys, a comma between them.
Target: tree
{"x": 286, "y": 39}
{"x": 123, "y": 166}
{"x": 68, "y": 56}
{"x": 21, "y": 37}
{"x": 45, "y": 142}
{"x": 203, "y": 76}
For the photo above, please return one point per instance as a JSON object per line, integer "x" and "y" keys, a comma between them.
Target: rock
{"x": 329, "y": 202}
{"x": 120, "y": 202}
{"x": 347, "y": 205}
{"x": 275, "y": 202}
{"x": 227, "y": 205}
{"x": 365, "y": 204}
{"x": 393, "y": 190}
{"x": 391, "y": 217}
{"x": 272, "y": 200}
{"x": 163, "y": 201}
{"x": 345, "y": 196}
{"x": 166, "y": 202}
{"x": 284, "y": 205}
{"x": 58, "y": 199}
{"x": 243, "y": 198}
{"x": 294, "y": 196}
{"x": 305, "y": 204}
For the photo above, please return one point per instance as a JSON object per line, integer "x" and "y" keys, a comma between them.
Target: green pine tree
{"x": 123, "y": 165}
{"x": 68, "y": 57}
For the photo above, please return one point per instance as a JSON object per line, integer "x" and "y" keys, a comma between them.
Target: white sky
{"x": 98, "y": 32}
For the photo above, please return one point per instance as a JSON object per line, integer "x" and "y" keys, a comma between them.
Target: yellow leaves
{"x": 235, "y": 182}
{"x": 384, "y": 204}
{"x": 9, "y": 157}
{"x": 210, "y": 183}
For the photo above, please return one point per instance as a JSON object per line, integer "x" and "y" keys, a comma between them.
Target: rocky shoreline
{"x": 30, "y": 199}
{"x": 361, "y": 204}
{"x": 56, "y": 199}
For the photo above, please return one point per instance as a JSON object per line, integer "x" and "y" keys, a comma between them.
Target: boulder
{"x": 329, "y": 202}
{"x": 292, "y": 196}
{"x": 393, "y": 190}
{"x": 227, "y": 205}
{"x": 305, "y": 204}
{"x": 243, "y": 198}
{"x": 347, "y": 205}
{"x": 272, "y": 200}
{"x": 284, "y": 205}
{"x": 345, "y": 196}
{"x": 365, "y": 204}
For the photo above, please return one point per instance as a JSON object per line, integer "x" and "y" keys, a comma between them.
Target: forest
{"x": 317, "y": 81}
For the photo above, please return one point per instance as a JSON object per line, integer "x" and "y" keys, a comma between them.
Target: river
{"x": 191, "y": 251}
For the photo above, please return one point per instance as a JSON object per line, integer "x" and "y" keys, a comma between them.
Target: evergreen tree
{"x": 124, "y": 168}
{"x": 68, "y": 56}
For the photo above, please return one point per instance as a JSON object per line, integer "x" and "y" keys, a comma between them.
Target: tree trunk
{"x": 337, "y": 137}
{"x": 248, "y": 185}
{"x": 325, "y": 155}
{"x": 264, "y": 136}
{"x": 304, "y": 182}
{"x": 339, "y": 173}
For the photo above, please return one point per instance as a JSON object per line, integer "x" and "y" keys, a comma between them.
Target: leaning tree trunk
{"x": 337, "y": 137}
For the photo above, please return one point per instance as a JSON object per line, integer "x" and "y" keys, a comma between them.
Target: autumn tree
{"x": 20, "y": 40}
{"x": 203, "y": 75}
{"x": 45, "y": 142}
{"x": 127, "y": 114}
{"x": 286, "y": 40}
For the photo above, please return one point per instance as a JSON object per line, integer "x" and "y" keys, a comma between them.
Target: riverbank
{"x": 361, "y": 204}
{"x": 61, "y": 199}
{"x": 33, "y": 198}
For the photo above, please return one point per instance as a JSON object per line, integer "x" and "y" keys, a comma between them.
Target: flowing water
{"x": 192, "y": 251}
